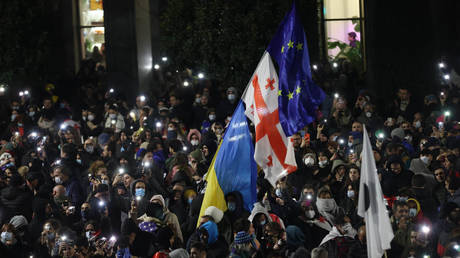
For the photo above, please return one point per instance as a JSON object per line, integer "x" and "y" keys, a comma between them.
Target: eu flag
{"x": 298, "y": 96}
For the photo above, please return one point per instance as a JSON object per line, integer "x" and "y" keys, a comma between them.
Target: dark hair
{"x": 70, "y": 150}
{"x": 241, "y": 225}
{"x": 397, "y": 204}
{"x": 198, "y": 245}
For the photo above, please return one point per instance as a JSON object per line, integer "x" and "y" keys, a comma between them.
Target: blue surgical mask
{"x": 350, "y": 193}
{"x": 412, "y": 212}
{"x": 231, "y": 206}
{"x": 231, "y": 97}
{"x": 190, "y": 200}
{"x": 278, "y": 193}
{"x": 263, "y": 222}
{"x": 140, "y": 192}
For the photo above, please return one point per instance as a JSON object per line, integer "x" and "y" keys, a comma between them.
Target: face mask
{"x": 310, "y": 214}
{"x": 140, "y": 192}
{"x": 84, "y": 213}
{"x": 50, "y": 236}
{"x": 6, "y": 236}
{"x": 58, "y": 180}
{"x": 350, "y": 144}
{"x": 105, "y": 182}
{"x": 425, "y": 160}
{"x": 78, "y": 161}
{"x": 212, "y": 117}
{"x": 368, "y": 114}
{"x": 89, "y": 234}
{"x": 113, "y": 116}
{"x": 418, "y": 124}
{"x": 412, "y": 212}
{"x": 408, "y": 138}
{"x": 89, "y": 149}
{"x": 350, "y": 193}
{"x": 194, "y": 142}
{"x": 231, "y": 206}
{"x": 309, "y": 161}
{"x": 13, "y": 116}
{"x": 90, "y": 117}
{"x": 15, "y": 108}
{"x": 231, "y": 97}
{"x": 278, "y": 193}
{"x": 190, "y": 200}
{"x": 198, "y": 100}
{"x": 32, "y": 113}
{"x": 322, "y": 163}
{"x": 170, "y": 128}
{"x": 263, "y": 222}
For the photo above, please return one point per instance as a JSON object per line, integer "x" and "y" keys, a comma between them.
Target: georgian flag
{"x": 274, "y": 152}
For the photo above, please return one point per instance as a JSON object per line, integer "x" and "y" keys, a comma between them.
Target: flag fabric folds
{"x": 273, "y": 150}
{"x": 371, "y": 204}
{"x": 299, "y": 97}
{"x": 233, "y": 167}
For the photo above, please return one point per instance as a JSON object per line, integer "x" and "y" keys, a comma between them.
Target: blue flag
{"x": 233, "y": 167}
{"x": 298, "y": 96}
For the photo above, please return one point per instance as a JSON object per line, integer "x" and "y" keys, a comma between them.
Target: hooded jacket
{"x": 169, "y": 217}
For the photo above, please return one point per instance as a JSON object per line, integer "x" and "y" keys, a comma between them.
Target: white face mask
{"x": 425, "y": 160}
{"x": 368, "y": 114}
{"x": 231, "y": 97}
{"x": 90, "y": 117}
{"x": 326, "y": 205}
{"x": 58, "y": 180}
{"x": 194, "y": 142}
{"x": 212, "y": 117}
{"x": 113, "y": 116}
{"x": 13, "y": 116}
{"x": 350, "y": 193}
{"x": 310, "y": 214}
{"x": 278, "y": 193}
{"x": 309, "y": 161}
{"x": 32, "y": 113}
{"x": 408, "y": 138}
{"x": 350, "y": 144}
{"x": 322, "y": 163}
{"x": 198, "y": 100}
{"x": 418, "y": 124}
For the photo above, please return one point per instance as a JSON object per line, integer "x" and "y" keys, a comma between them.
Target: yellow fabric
{"x": 214, "y": 196}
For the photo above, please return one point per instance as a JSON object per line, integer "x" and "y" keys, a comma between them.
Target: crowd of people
{"x": 115, "y": 178}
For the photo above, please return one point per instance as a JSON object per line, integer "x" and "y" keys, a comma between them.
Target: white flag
{"x": 371, "y": 204}
{"x": 273, "y": 151}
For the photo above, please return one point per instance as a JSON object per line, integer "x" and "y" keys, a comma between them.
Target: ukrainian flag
{"x": 233, "y": 167}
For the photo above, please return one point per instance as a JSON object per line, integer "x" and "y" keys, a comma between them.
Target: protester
{"x": 122, "y": 177}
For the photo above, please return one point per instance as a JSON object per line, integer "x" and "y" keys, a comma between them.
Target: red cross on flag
{"x": 273, "y": 152}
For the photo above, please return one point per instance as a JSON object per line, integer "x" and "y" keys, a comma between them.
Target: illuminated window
{"x": 91, "y": 28}
{"x": 343, "y": 28}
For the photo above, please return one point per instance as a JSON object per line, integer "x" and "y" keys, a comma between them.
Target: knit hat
{"x": 242, "y": 237}
{"x": 215, "y": 213}
{"x": 179, "y": 253}
{"x": 18, "y": 221}
{"x": 197, "y": 155}
{"x": 398, "y": 132}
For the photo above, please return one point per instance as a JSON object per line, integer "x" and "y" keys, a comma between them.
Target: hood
{"x": 238, "y": 201}
{"x": 336, "y": 163}
{"x": 211, "y": 227}
{"x": 295, "y": 237}
{"x": 192, "y": 132}
{"x": 160, "y": 198}
{"x": 259, "y": 208}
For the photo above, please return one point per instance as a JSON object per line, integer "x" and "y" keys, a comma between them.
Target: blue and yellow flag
{"x": 233, "y": 167}
{"x": 298, "y": 96}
